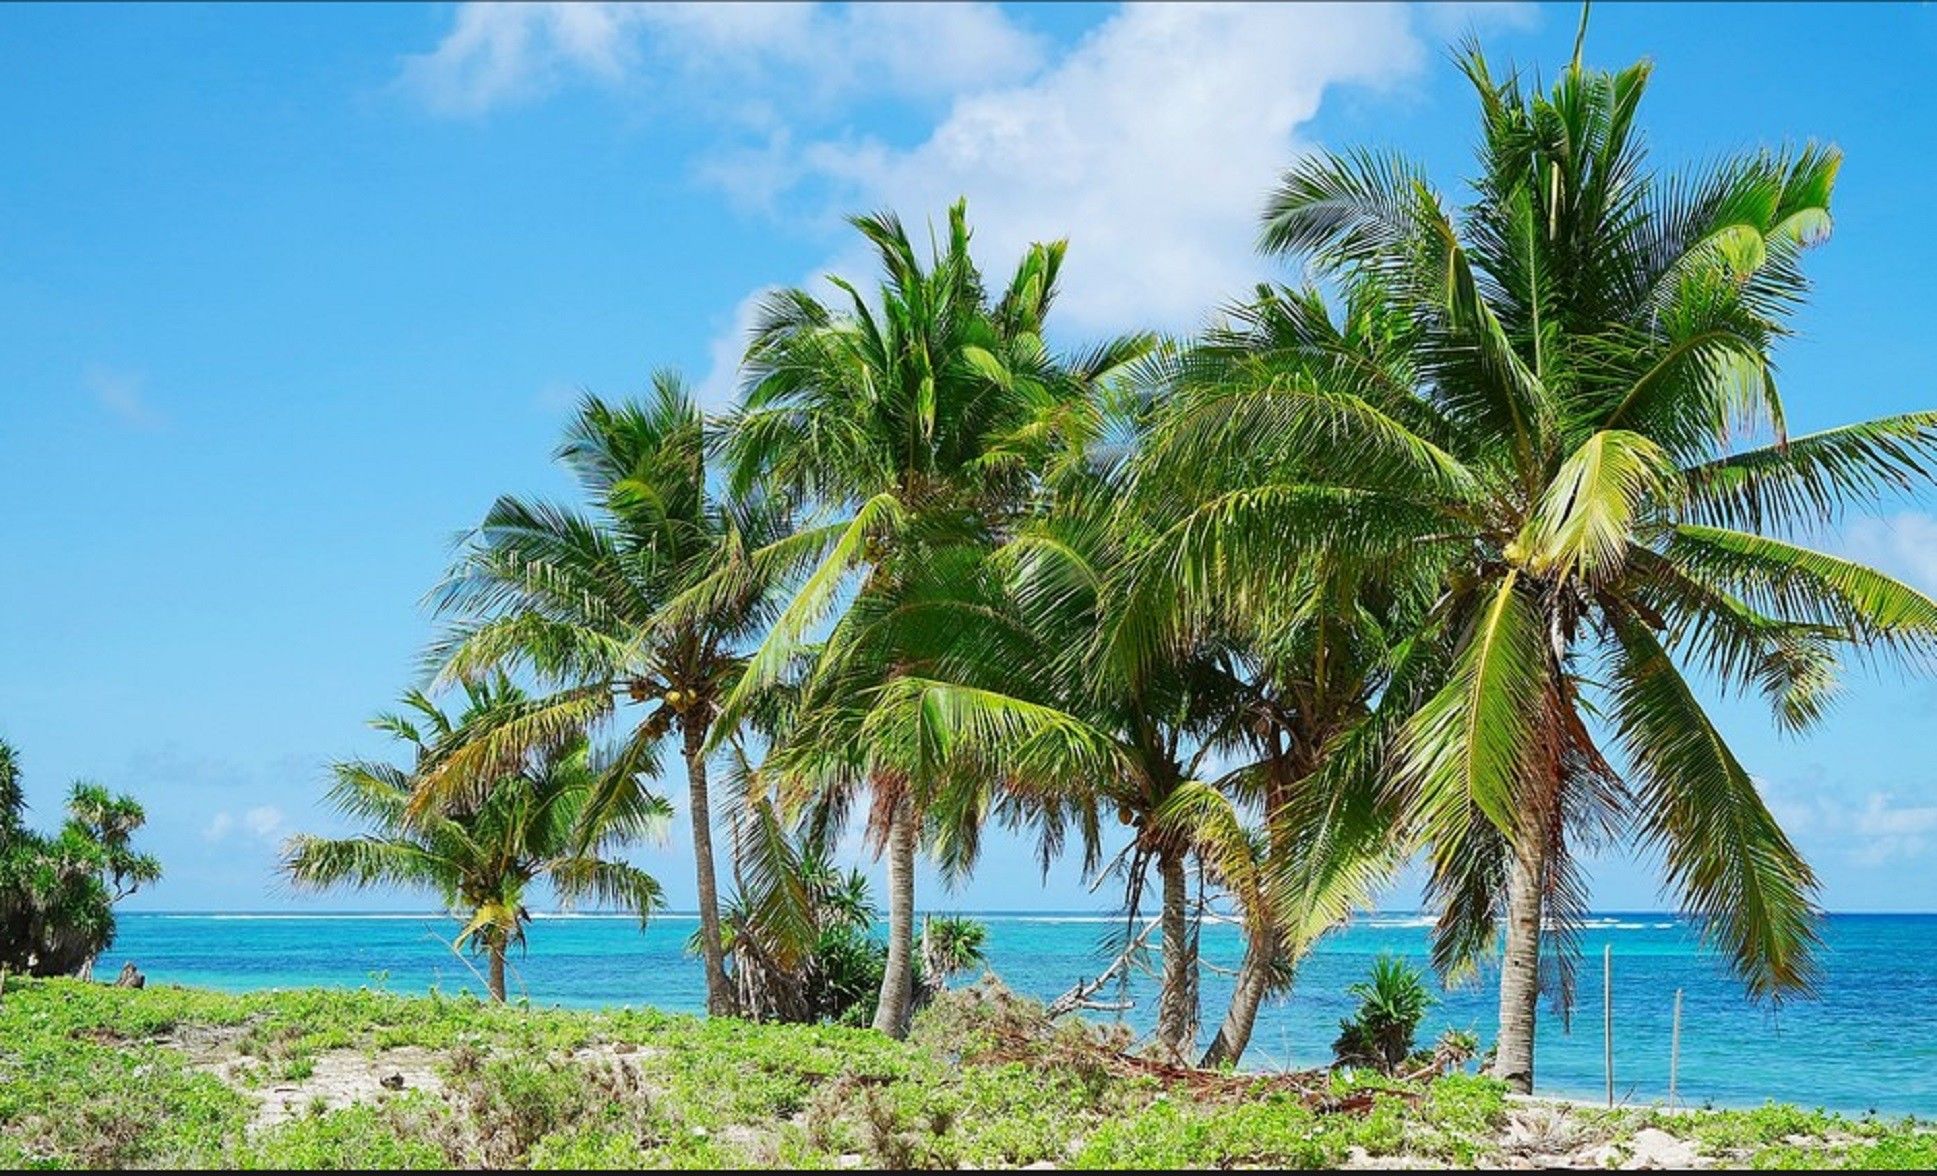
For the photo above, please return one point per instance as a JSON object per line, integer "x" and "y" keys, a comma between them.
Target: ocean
{"x": 1867, "y": 1042}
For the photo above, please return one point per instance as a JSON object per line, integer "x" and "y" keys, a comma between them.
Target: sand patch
{"x": 337, "y": 1079}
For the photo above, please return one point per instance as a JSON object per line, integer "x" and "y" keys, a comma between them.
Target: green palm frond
{"x": 1479, "y": 742}
{"x": 1722, "y": 849}
{"x": 362, "y": 862}
{"x": 1588, "y": 515}
{"x": 1785, "y": 580}
{"x": 609, "y": 884}
{"x": 1814, "y": 480}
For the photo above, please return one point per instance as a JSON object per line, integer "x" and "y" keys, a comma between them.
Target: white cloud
{"x": 1904, "y": 544}
{"x": 1871, "y": 832}
{"x": 503, "y": 53}
{"x": 265, "y": 823}
{"x": 1890, "y": 830}
{"x": 123, "y": 394}
{"x": 1152, "y": 143}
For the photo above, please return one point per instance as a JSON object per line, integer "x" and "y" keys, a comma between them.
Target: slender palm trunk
{"x": 898, "y": 978}
{"x": 497, "y": 972}
{"x": 1520, "y": 969}
{"x": 1177, "y": 1002}
{"x": 1254, "y": 977}
{"x": 719, "y": 993}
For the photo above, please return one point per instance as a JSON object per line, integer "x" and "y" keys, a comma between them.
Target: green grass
{"x": 167, "y": 1077}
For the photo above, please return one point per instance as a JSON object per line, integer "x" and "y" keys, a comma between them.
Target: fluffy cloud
{"x": 265, "y": 823}
{"x": 756, "y": 53}
{"x": 1152, "y": 142}
{"x": 1891, "y": 830}
{"x": 1873, "y": 831}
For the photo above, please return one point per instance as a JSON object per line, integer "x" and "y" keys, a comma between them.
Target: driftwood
{"x": 1078, "y": 997}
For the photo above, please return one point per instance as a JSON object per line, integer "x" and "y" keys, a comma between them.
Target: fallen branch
{"x": 1078, "y": 997}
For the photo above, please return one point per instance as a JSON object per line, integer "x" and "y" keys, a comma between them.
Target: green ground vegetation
{"x": 171, "y": 1077}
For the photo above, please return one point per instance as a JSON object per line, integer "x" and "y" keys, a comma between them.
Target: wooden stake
{"x": 1607, "y": 1017}
{"x": 1674, "y": 1051}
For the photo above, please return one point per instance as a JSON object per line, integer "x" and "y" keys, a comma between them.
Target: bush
{"x": 1380, "y": 1035}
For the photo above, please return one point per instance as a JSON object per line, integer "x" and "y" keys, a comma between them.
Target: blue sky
{"x": 290, "y": 294}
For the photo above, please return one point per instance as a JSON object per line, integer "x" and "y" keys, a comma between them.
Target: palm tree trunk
{"x": 1177, "y": 1002}
{"x": 497, "y": 972}
{"x": 1254, "y": 977}
{"x": 1520, "y": 969}
{"x": 898, "y": 978}
{"x": 719, "y": 993}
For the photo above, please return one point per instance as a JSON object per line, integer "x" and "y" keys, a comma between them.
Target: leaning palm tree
{"x": 918, "y": 424}
{"x": 1166, "y": 716}
{"x": 1295, "y": 833}
{"x": 482, "y": 853}
{"x": 580, "y": 600}
{"x": 1561, "y": 404}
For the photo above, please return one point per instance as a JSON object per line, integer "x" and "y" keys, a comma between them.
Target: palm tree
{"x": 1561, "y": 403}
{"x": 797, "y": 926}
{"x": 1166, "y": 715}
{"x": 537, "y": 820}
{"x": 919, "y": 425}
{"x": 1296, "y": 833}
{"x": 582, "y": 600}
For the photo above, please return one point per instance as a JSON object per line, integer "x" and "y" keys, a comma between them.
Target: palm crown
{"x": 584, "y": 599}
{"x": 480, "y": 854}
{"x": 920, "y": 425}
{"x": 1530, "y": 406}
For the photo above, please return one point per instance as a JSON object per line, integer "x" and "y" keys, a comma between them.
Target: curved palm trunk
{"x": 1254, "y": 978}
{"x": 898, "y": 978}
{"x": 1177, "y": 1002}
{"x": 1520, "y": 970}
{"x": 719, "y": 992}
{"x": 497, "y": 972}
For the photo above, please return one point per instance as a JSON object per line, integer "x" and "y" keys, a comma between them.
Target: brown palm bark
{"x": 1177, "y": 1001}
{"x": 719, "y": 991}
{"x": 1254, "y": 979}
{"x": 891, "y": 1012}
{"x": 1520, "y": 968}
{"x": 496, "y": 981}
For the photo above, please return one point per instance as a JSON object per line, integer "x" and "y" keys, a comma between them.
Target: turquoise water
{"x": 1868, "y": 1043}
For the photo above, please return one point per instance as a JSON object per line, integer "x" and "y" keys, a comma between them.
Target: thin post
{"x": 1674, "y": 1051}
{"x": 1607, "y": 1016}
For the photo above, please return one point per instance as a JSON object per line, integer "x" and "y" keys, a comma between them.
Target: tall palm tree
{"x": 535, "y": 821}
{"x": 1561, "y": 403}
{"x": 581, "y": 599}
{"x": 919, "y": 425}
